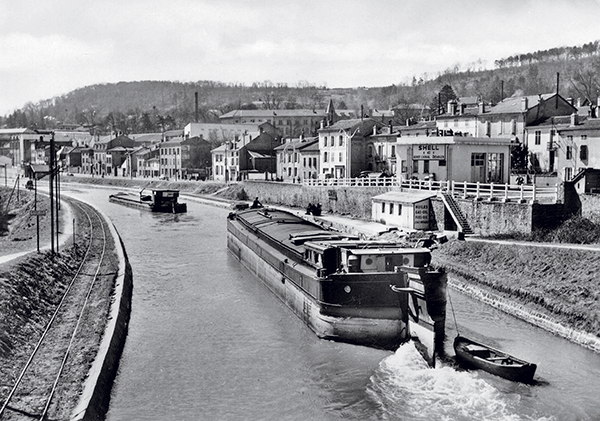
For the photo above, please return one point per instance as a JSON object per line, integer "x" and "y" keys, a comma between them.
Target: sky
{"x": 49, "y": 48}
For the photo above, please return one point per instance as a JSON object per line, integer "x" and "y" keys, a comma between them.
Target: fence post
{"x": 477, "y": 189}
{"x": 491, "y": 191}
{"x": 506, "y": 192}
{"x": 533, "y": 195}
{"x": 521, "y": 199}
{"x": 464, "y": 189}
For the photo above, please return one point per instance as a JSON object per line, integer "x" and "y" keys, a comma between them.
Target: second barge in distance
{"x": 371, "y": 293}
{"x": 159, "y": 200}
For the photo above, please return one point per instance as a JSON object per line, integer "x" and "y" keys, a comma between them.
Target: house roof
{"x": 298, "y": 143}
{"x": 20, "y": 130}
{"x": 146, "y": 137}
{"x": 513, "y": 105}
{"x": 403, "y": 197}
{"x": 351, "y": 124}
{"x": 592, "y": 124}
{"x": 254, "y": 154}
{"x": 272, "y": 113}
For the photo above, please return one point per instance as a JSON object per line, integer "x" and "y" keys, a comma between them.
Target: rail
{"x": 40, "y": 377}
{"x": 520, "y": 193}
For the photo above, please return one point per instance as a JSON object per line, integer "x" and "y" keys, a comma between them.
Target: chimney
{"x": 322, "y": 124}
{"x": 196, "y": 109}
{"x": 452, "y": 107}
{"x": 578, "y": 102}
{"x": 574, "y": 119}
{"x": 462, "y": 108}
{"x": 391, "y": 127}
{"x": 374, "y": 130}
{"x": 524, "y": 103}
{"x": 481, "y": 107}
{"x": 571, "y": 101}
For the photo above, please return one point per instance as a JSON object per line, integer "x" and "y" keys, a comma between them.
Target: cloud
{"x": 23, "y": 50}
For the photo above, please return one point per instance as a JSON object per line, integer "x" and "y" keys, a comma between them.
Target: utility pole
{"x": 51, "y": 186}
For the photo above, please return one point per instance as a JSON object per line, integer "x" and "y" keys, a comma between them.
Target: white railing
{"x": 479, "y": 191}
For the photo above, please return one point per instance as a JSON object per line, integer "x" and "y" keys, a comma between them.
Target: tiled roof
{"x": 513, "y": 105}
{"x": 272, "y": 113}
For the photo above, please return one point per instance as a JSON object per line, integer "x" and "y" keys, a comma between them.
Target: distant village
{"x": 471, "y": 141}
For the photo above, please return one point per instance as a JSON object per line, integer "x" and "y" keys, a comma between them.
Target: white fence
{"x": 480, "y": 191}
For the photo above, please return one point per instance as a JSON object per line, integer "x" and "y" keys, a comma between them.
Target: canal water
{"x": 207, "y": 341}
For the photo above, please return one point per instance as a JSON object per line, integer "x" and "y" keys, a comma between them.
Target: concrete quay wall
{"x": 484, "y": 217}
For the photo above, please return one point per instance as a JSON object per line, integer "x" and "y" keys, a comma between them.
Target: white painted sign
{"x": 421, "y": 215}
{"x": 429, "y": 152}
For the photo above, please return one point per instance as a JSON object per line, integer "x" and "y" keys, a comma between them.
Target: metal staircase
{"x": 457, "y": 215}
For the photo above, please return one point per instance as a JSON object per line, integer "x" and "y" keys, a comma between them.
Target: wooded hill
{"x": 151, "y": 106}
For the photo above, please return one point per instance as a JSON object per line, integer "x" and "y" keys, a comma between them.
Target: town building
{"x": 298, "y": 159}
{"x": 454, "y": 158}
{"x": 103, "y": 162}
{"x": 384, "y": 146}
{"x": 288, "y": 123}
{"x": 406, "y": 210}
{"x": 219, "y": 133}
{"x": 245, "y": 159}
{"x": 346, "y": 148}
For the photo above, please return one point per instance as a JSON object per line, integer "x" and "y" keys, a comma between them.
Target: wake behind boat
{"x": 484, "y": 357}
{"x": 159, "y": 200}
{"x": 363, "y": 292}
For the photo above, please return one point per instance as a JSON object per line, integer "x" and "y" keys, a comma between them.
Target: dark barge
{"x": 159, "y": 200}
{"x": 371, "y": 293}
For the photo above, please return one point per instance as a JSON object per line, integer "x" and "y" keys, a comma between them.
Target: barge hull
{"x": 368, "y": 331}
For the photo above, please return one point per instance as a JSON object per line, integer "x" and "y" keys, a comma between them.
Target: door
{"x": 478, "y": 167}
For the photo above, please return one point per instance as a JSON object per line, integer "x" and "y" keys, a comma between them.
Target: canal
{"x": 208, "y": 342}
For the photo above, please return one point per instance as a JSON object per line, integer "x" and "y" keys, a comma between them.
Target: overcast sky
{"x": 48, "y": 48}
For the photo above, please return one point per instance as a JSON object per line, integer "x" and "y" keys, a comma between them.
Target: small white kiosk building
{"x": 406, "y": 210}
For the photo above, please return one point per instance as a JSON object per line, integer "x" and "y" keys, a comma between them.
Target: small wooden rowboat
{"x": 493, "y": 361}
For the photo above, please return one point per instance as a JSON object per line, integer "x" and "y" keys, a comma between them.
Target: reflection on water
{"x": 208, "y": 341}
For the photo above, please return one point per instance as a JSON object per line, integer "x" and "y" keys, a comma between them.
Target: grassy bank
{"x": 561, "y": 283}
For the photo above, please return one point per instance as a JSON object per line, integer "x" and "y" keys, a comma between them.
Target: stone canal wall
{"x": 484, "y": 217}
{"x": 94, "y": 401}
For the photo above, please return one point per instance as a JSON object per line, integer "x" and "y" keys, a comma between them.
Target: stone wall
{"x": 590, "y": 206}
{"x": 484, "y": 217}
{"x": 353, "y": 201}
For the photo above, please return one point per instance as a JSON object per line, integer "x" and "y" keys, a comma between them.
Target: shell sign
{"x": 429, "y": 152}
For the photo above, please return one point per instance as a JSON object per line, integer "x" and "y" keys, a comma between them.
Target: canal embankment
{"x": 553, "y": 286}
{"x": 31, "y": 285}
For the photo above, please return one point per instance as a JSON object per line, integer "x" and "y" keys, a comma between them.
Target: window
{"x": 569, "y": 152}
{"x": 324, "y": 156}
{"x": 583, "y": 152}
{"x": 341, "y": 140}
{"x": 399, "y": 209}
{"x": 394, "y": 151}
{"x": 442, "y": 163}
{"x": 325, "y": 141}
{"x": 538, "y": 137}
{"x": 382, "y": 207}
{"x": 304, "y": 161}
{"x": 340, "y": 157}
{"x": 477, "y": 159}
{"x": 426, "y": 166}
{"x": 568, "y": 173}
{"x": 391, "y": 208}
{"x": 415, "y": 166}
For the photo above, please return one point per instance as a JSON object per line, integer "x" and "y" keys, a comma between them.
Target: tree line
{"x": 155, "y": 106}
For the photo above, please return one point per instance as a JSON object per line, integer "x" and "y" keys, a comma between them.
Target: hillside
{"x": 150, "y": 106}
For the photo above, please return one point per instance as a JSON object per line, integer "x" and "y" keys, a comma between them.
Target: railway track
{"x": 50, "y": 381}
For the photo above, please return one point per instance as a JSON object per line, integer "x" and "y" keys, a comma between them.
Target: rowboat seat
{"x": 475, "y": 348}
